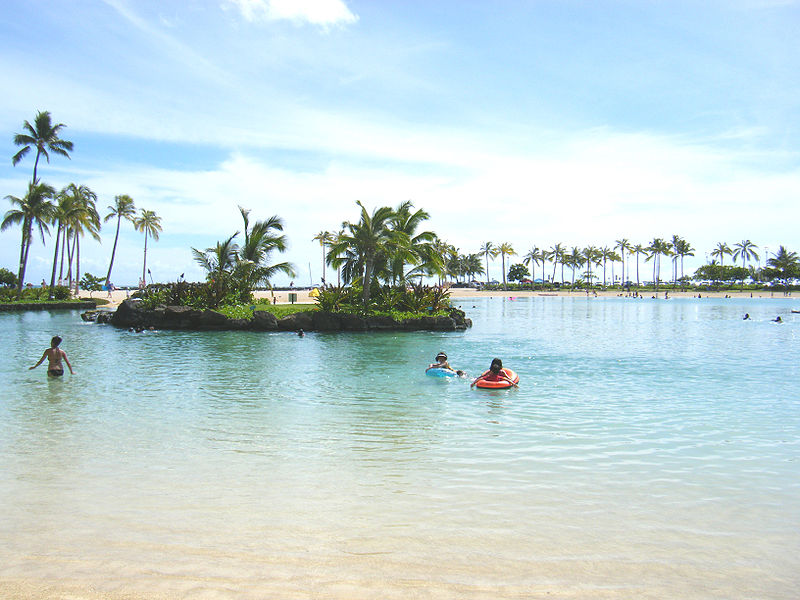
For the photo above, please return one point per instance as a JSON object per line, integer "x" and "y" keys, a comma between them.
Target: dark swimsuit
{"x": 55, "y": 372}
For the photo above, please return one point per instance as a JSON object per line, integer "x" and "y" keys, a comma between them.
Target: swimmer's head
{"x": 55, "y": 341}
{"x": 497, "y": 364}
{"x": 441, "y": 357}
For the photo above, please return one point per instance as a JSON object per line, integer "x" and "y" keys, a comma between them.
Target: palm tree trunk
{"x": 70, "y": 255}
{"x": 113, "y": 251}
{"x": 23, "y": 254}
{"x": 63, "y": 252}
{"x": 77, "y": 261}
{"x": 55, "y": 260}
{"x": 367, "y": 279}
{"x": 505, "y": 287}
{"x": 144, "y": 262}
{"x": 637, "y": 269}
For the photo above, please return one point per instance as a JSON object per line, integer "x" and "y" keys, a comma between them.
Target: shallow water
{"x": 650, "y": 451}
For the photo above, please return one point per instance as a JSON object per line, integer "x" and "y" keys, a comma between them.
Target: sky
{"x": 529, "y": 122}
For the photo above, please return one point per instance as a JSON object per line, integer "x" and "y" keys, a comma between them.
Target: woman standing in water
{"x": 54, "y": 354}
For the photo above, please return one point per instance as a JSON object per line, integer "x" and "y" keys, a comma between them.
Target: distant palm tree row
{"x": 72, "y": 212}
{"x": 582, "y": 261}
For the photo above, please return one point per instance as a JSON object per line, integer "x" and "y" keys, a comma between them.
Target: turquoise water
{"x": 650, "y": 451}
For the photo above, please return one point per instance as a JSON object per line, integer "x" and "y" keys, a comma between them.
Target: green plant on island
{"x": 7, "y": 278}
{"x": 91, "y": 283}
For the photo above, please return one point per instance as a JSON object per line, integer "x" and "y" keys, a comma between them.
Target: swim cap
{"x": 441, "y": 355}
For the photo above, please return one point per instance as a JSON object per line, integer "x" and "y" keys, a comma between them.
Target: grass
{"x": 245, "y": 311}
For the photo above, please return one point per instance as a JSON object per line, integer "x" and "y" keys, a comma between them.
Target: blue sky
{"x": 532, "y": 123}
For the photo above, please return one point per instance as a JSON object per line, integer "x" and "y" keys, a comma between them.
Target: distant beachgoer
{"x": 274, "y": 300}
{"x": 44, "y": 283}
{"x": 496, "y": 372}
{"x": 54, "y": 355}
{"x": 746, "y": 317}
{"x": 301, "y": 333}
{"x": 777, "y": 320}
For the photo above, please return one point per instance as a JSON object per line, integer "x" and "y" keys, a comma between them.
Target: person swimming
{"x": 54, "y": 355}
{"x": 496, "y": 372}
{"x": 746, "y": 317}
{"x": 441, "y": 363}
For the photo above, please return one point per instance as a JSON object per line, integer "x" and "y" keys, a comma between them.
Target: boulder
{"x": 296, "y": 321}
{"x": 263, "y": 320}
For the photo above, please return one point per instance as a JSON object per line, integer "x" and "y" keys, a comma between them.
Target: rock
{"x": 128, "y": 314}
{"x": 263, "y": 320}
{"x": 296, "y": 321}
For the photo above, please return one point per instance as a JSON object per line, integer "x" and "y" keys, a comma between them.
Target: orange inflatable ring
{"x": 500, "y": 384}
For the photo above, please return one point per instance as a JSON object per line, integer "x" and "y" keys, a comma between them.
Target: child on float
{"x": 496, "y": 372}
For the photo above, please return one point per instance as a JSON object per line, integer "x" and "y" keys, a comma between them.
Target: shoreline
{"x": 303, "y": 297}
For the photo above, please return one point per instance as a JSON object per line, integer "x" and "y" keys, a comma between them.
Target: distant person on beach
{"x": 54, "y": 355}
{"x": 496, "y": 372}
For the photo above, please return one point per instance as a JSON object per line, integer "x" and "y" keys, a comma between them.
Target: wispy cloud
{"x": 325, "y": 13}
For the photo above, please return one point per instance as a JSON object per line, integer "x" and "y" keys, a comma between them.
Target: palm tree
{"x": 746, "y": 250}
{"x": 488, "y": 250}
{"x": 404, "y": 224}
{"x": 720, "y": 251}
{"x": 83, "y": 218}
{"x": 62, "y": 213}
{"x": 576, "y": 261}
{"x": 624, "y": 248}
{"x": 658, "y": 247}
{"x": 149, "y": 224}
{"x": 260, "y": 241}
{"x": 556, "y": 255}
{"x": 219, "y": 262}
{"x": 123, "y": 208}
{"x": 361, "y": 244}
{"x": 682, "y": 250}
{"x": 591, "y": 256}
{"x": 324, "y": 238}
{"x": 533, "y": 256}
{"x": 785, "y": 262}
{"x": 505, "y": 249}
{"x": 43, "y": 136}
{"x": 638, "y": 250}
{"x": 35, "y": 208}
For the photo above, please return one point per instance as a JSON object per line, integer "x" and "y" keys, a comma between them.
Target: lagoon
{"x": 651, "y": 451}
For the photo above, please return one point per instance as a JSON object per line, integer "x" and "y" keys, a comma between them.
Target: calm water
{"x": 651, "y": 451}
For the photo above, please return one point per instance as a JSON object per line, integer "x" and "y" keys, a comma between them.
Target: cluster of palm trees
{"x": 233, "y": 271}
{"x": 582, "y": 261}
{"x": 383, "y": 245}
{"x": 72, "y": 212}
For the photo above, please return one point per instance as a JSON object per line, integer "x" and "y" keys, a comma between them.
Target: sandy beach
{"x": 303, "y": 297}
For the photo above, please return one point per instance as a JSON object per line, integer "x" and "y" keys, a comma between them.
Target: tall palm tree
{"x": 362, "y": 243}
{"x": 324, "y": 238}
{"x": 505, "y": 249}
{"x": 83, "y": 218}
{"x": 35, "y": 208}
{"x": 625, "y": 248}
{"x": 683, "y": 250}
{"x": 62, "y": 213}
{"x": 658, "y": 248}
{"x": 43, "y": 136}
{"x": 591, "y": 256}
{"x": 488, "y": 249}
{"x": 533, "y": 256}
{"x": 746, "y": 250}
{"x": 123, "y": 208}
{"x": 149, "y": 224}
{"x": 638, "y": 250}
{"x": 576, "y": 261}
{"x": 557, "y": 255}
{"x": 720, "y": 251}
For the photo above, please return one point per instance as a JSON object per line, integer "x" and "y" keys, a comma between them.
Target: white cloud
{"x": 325, "y": 13}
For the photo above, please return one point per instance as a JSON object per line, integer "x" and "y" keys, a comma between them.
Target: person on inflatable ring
{"x": 496, "y": 372}
{"x": 441, "y": 363}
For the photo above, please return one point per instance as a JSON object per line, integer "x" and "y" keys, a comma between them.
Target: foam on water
{"x": 651, "y": 451}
